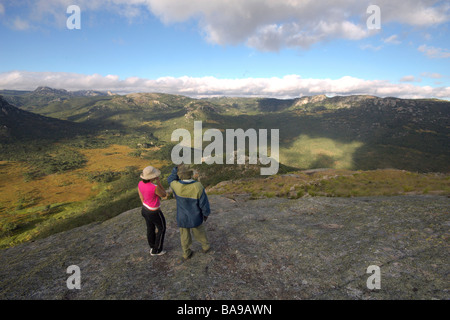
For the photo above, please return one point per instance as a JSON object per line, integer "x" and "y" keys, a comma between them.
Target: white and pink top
{"x": 151, "y": 199}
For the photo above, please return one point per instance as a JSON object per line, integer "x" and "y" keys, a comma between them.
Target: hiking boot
{"x": 183, "y": 259}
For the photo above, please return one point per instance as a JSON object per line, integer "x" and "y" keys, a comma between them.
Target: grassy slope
{"x": 37, "y": 206}
{"x": 338, "y": 183}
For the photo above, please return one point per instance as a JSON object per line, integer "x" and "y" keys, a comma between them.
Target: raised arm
{"x": 173, "y": 176}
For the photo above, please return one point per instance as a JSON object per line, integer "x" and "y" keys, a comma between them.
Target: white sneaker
{"x": 157, "y": 254}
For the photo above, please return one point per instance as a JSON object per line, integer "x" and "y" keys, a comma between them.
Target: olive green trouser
{"x": 199, "y": 234}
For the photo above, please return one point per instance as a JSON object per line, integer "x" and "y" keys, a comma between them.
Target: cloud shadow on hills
{"x": 375, "y": 138}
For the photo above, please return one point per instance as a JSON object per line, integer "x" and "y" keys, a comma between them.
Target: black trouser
{"x": 155, "y": 220}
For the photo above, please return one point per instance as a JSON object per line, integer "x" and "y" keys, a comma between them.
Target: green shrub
{"x": 104, "y": 177}
{"x": 9, "y": 226}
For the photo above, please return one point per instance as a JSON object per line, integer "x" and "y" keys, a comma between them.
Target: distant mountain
{"x": 79, "y": 93}
{"x": 42, "y": 96}
{"x": 17, "y": 124}
{"x": 50, "y": 91}
{"x": 47, "y": 91}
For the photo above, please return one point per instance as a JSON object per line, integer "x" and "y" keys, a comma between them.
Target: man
{"x": 192, "y": 209}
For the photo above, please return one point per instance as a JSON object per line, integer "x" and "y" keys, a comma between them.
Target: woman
{"x": 151, "y": 191}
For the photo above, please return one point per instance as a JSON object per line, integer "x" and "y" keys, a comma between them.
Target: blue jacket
{"x": 192, "y": 201}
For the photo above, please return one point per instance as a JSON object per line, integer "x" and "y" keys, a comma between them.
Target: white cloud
{"x": 20, "y": 24}
{"x": 272, "y": 25}
{"x": 415, "y": 13}
{"x": 410, "y": 79}
{"x": 392, "y": 39}
{"x": 289, "y": 86}
{"x": 433, "y": 52}
{"x": 275, "y": 37}
{"x": 370, "y": 47}
{"x": 433, "y": 75}
{"x": 2, "y": 9}
{"x": 267, "y": 25}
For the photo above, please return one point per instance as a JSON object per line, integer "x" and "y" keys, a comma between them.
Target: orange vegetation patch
{"x": 56, "y": 188}
{"x": 116, "y": 158}
{"x": 72, "y": 186}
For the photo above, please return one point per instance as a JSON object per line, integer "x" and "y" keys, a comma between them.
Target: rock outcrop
{"x": 310, "y": 248}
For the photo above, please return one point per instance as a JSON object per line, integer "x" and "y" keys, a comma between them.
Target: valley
{"x": 71, "y": 158}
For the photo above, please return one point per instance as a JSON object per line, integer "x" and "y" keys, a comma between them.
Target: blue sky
{"x": 217, "y": 47}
